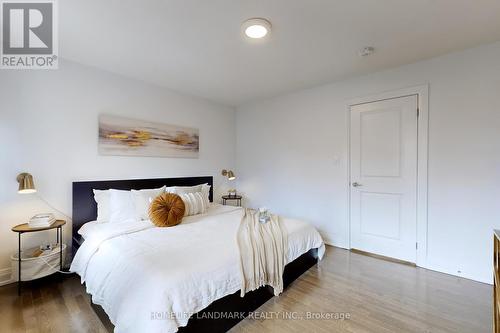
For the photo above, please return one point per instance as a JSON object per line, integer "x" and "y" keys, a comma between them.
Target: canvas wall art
{"x": 130, "y": 137}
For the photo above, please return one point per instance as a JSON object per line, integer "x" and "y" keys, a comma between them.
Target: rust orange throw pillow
{"x": 167, "y": 210}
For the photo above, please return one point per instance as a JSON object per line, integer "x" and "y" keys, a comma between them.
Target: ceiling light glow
{"x": 256, "y": 28}
{"x": 256, "y": 31}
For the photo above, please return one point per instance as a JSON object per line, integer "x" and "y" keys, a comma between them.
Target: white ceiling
{"x": 196, "y": 47}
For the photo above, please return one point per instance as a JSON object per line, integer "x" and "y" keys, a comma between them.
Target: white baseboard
{"x": 332, "y": 241}
{"x": 438, "y": 269}
{"x": 6, "y": 276}
{"x": 462, "y": 275}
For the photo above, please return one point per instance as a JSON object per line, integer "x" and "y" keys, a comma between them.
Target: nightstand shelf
{"x": 25, "y": 228}
{"x": 237, "y": 198}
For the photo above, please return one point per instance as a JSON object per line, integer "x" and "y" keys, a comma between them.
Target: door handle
{"x": 355, "y": 184}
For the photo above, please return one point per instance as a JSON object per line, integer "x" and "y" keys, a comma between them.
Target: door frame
{"x": 422, "y": 93}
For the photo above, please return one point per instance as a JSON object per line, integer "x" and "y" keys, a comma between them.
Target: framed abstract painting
{"x": 130, "y": 137}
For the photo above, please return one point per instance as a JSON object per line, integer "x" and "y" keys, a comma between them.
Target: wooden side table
{"x": 236, "y": 198}
{"x": 23, "y": 228}
{"x": 496, "y": 281}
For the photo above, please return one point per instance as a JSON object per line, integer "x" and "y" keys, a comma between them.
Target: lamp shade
{"x": 229, "y": 174}
{"x": 26, "y": 184}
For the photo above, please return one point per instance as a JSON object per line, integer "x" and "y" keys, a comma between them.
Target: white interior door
{"x": 384, "y": 177}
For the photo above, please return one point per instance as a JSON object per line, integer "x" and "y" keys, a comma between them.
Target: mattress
{"x": 151, "y": 279}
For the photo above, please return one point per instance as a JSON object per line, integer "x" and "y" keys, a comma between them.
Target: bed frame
{"x": 85, "y": 209}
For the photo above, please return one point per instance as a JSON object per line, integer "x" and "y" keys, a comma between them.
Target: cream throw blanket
{"x": 262, "y": 252}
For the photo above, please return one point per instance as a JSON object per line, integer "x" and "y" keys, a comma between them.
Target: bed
{"x": 185, "y": 278}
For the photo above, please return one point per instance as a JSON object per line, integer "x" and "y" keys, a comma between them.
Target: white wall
{"x": 292, "y": 155}
{"x": 48, "y": 127}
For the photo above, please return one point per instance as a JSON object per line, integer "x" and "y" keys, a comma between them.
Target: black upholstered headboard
{"x": 85, "y": 207}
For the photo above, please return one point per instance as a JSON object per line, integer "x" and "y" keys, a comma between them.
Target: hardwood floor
{"x": 379, "y": 296}
{"x": 52, "y": 304}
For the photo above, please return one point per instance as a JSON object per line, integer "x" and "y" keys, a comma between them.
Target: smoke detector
{"x": 366, "y": 51}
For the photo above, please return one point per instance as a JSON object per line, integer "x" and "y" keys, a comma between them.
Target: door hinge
{"x": 418, "y": 112}
{"x": 416, "y": 246}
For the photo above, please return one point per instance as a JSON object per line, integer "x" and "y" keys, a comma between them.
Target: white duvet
{"x": 151, "y": 279}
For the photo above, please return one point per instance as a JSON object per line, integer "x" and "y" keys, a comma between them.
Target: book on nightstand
{"x": 41, "y": 221}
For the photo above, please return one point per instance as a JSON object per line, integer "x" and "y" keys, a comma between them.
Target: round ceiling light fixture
{"x": 256, "y": 28}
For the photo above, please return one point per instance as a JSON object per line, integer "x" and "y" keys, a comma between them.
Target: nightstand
{"x": 24, "y": 228}
{"x": 236, "y": 198}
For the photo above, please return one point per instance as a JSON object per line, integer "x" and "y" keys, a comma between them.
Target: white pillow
{"x": 101, "y": 197}
{"x": 184, "y": 189}
{"x": 187, "y": 189}
{"x": 203, "y": 188}
{"x": 143, "y": 199}
{"x": 194, "y": 202}
{"x": 121, "y": 206}
{"x": 87, "y": 228}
